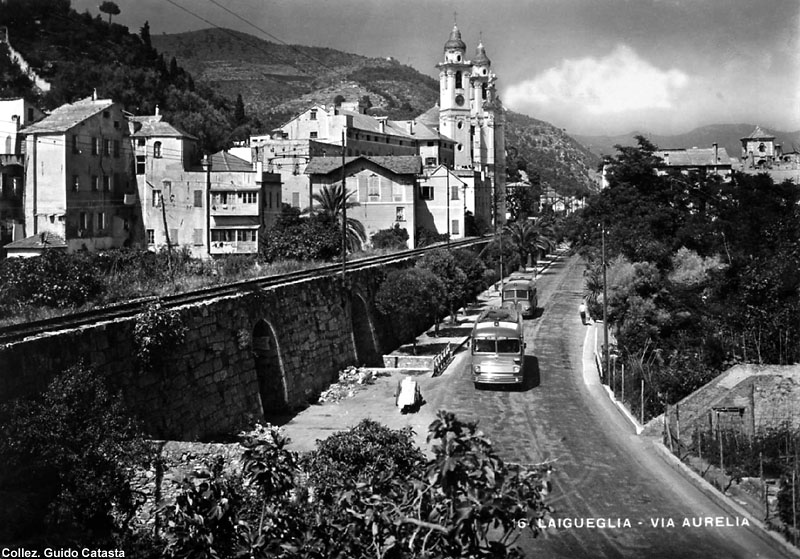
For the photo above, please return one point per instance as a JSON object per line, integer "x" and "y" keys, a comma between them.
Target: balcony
{"x": 219, "y": 209}
{"x": 233, "y": 247}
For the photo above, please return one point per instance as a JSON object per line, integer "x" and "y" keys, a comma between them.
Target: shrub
{"x": 359, "y": 454}
{"x": 74, "y": 450}
{"x": 54, "y": 279}
{"x": 394, "y": 237}
{"x": 155, "y": 333}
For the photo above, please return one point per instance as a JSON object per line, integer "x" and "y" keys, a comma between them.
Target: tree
{"x": 110, "y": 8}
{"x": 330, "y": 200}
{"x": 411, "y": 300}
{"x": 529, "y": 238}
{"x": 239, "y": 115}
{"x": 442, "y": 264}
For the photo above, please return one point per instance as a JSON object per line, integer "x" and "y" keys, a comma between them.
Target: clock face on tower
{"x": 459, "y": 100}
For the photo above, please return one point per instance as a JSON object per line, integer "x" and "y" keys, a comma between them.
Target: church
{"x": 425, "y": 173}
{"x": 469, "y": 113}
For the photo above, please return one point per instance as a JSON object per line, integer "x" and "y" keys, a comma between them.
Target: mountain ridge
{"x": 294, "y": 77}
{"x": 726, "y": 135}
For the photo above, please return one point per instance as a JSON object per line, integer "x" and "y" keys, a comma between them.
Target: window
{"x": 246, "y": 235}
{"x": 156, "y": 198}
{"x": 76, "y": 183}
{"x": 30, "y": 114}
{"x": 151, "y": 237}
{"x": 140, "y": 141}
{"x": 197, "y": 237}
{"x": 107, "y": 183}
{"x": 454, "y": 228}
{"x": 116, "y": 148}
{"x": 219, "y": 199}
{"x": 458, "y": 80}
{"x": 83, "y": 221}
{"x": 116, "y": 124}
{"x": 313, "y": 135}
{"x": 400, "y": 213}
{"x": 295, "y": 199}
{"x": 95, "y": 145}
{"x": 431, "y": 143}
{"x": 101, "y": 221}
{"x": 157, "y": 149}
{"x": 95, "y": 183}
{"x": 248, "y": 197}
{"x": 373, "y": 188}
{"x": 430, "y": 161}
{"x": 75, "y": 149}
{"x": 107, "y": 144}
{"x": 397, "y": 192}
{"x": 313, "y": 115}
{"x": 198, "y": 199}
{"x": 140, "y": 164}
{"x": 454, "y": 192}
{"x": 173, "y": 236}
{"x": 223, "y": 235}
{"x": 483, "y": 89}
{"x": 106, "y": 114}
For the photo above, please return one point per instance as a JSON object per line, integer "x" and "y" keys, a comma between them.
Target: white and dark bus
{"x": 498, "y": 348}
{"x": 519, "y": 293}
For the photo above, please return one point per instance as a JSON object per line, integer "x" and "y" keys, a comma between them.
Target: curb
{"x": 721, "y": 500}
{"x": 590, "y": 372}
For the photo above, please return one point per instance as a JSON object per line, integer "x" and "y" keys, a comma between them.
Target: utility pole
{"x": 605, "y": 303}
{"x": 166, "y": 235}
{"x": 207, "y": 168}
{"x": 344, "y": 213}
{"x": 447, "y": 198}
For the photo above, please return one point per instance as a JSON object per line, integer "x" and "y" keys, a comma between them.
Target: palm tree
{"x": 529, "y": 238}
{"x": 329, "y": 205}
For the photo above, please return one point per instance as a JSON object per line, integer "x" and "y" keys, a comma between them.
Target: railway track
{"x": 18, "y": 332}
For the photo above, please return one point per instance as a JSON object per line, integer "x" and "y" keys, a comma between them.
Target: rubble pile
{"x": 349, "y": 382}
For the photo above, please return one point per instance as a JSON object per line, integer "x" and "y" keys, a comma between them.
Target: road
{"x": 602, "y": 470}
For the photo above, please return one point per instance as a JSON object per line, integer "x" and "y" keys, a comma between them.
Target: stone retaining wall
{"x": 214, "y": 384}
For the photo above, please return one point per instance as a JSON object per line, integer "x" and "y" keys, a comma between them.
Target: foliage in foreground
{"x": 384, "y": 500}
{"x": 70, "y": 453}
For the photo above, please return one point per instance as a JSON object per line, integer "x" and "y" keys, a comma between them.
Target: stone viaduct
{"x": 245, "y": 357}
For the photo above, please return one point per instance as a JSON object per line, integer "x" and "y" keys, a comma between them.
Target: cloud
{"x": 621, "y": 82}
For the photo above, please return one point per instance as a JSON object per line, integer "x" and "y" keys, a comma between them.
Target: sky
{"x": 591, "y": 67}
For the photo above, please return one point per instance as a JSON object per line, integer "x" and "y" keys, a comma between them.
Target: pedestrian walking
{"x": 582, "y": 311}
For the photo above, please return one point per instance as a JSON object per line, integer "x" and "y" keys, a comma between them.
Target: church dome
{"x": 455, "y": 42}
{"x": 480, "y": 56}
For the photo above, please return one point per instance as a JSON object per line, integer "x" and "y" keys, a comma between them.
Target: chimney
{"x": 410, "y": 126}
{"x": 156, "y": 110}
{"x": 94, "y": 94}
{"x": 382, "y": 124}
{"x": 716, "y": 152}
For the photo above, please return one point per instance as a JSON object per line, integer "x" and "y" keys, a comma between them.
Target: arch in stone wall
{"x": 269, "y": 369}
{"x": 366, "y": 344}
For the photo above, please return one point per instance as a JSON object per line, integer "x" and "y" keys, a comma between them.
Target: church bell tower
{"x": 455, "y": 98}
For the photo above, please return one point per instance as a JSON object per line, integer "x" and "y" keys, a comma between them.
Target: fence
{"x": 727, "y": 450}
{"x": 442, "y": 359}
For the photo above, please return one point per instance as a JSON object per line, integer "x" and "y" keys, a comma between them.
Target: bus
{"x": 498, "y": 348}
{"x": 519, "y": 293}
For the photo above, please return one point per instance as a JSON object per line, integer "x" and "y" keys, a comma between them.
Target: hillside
{"x": 277, "y": 81}
{"x": 726, "y": 135}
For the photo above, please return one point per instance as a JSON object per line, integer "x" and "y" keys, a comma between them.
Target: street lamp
{"x": 344, "y": 213}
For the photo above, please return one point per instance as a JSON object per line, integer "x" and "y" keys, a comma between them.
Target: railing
{"x": 442, "y": 360}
